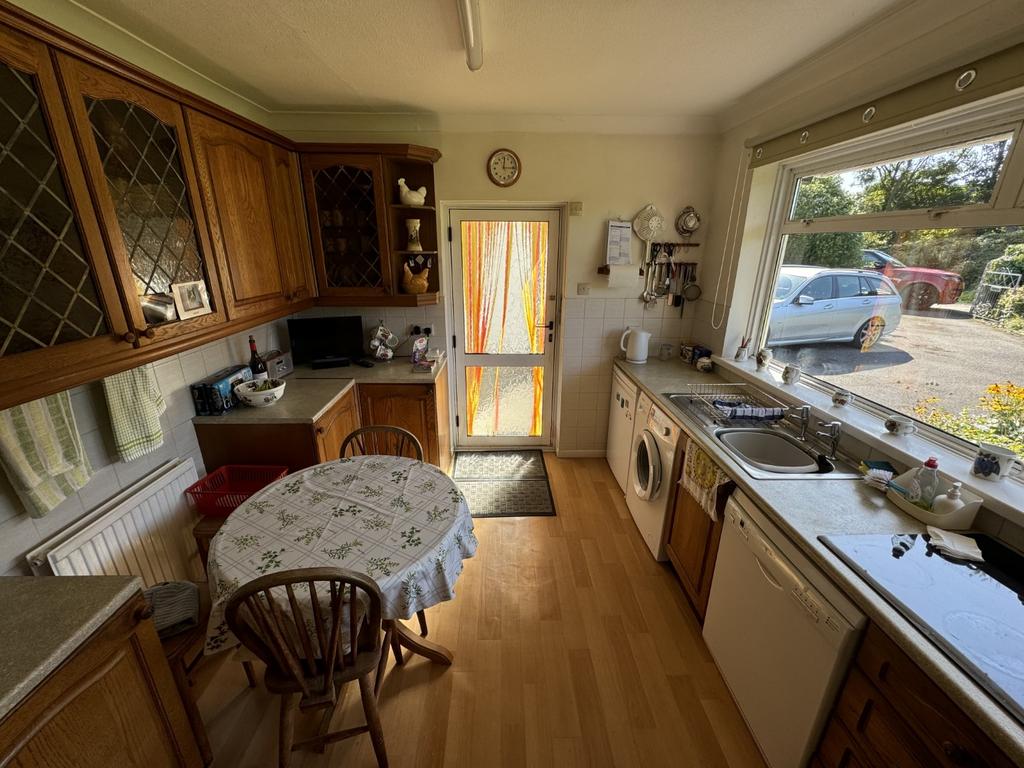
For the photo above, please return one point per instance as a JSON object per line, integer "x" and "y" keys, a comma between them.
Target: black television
{"x": 317, "y": 338}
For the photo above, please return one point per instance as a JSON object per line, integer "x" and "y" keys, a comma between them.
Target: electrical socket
{"x": 582, "y": 289}
{"x": 427, "y": 330}
{"x": 416, "y": 330}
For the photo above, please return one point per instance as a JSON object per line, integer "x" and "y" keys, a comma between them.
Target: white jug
{"x": 636, "y": 348}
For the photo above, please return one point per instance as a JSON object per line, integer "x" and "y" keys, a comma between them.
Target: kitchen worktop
{"x": 304, "y": 401}
{"x": 309, "y": 394}
{"x": 806, "y": 509}
{"x": 46, "y": 619}
{"x": 396, "y": 371}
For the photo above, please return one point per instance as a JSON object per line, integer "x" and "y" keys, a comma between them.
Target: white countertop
{"x": 806, "y": 509}
{"x": 303, "y": 402}
{"x": 396, "y": 371}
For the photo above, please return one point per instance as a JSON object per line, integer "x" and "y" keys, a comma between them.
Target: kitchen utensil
{"x": 636, "y": 347}
{"x": 647, "y": 225}
{"x": 688, "y": 221}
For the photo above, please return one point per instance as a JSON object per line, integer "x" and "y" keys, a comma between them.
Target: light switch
{"x": 576, "y": 208}
{"x": 582, "y": 289}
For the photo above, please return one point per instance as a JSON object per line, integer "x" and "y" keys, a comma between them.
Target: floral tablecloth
{"x": 401, "y": 521}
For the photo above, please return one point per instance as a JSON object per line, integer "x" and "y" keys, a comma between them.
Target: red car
{"x": 920, "y": 287}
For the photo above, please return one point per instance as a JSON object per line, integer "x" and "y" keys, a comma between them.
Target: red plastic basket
{"x": 220, "y": 492}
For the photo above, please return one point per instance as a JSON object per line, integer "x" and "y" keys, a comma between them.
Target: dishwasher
{"x": 780, "y": 633}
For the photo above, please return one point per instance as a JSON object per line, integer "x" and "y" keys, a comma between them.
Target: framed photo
{"x": 191, "y": 299}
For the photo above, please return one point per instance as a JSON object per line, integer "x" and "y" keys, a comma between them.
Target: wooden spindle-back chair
{"x": 385, "y": 440}
{"x": 382, "y": 440}
{"x": 302, "y": 639}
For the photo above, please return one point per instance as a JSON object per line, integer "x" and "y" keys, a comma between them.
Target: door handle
{"x": 550, "y": 325}
{"x": 828, "y": 306}
{"x": 866, "y": 301}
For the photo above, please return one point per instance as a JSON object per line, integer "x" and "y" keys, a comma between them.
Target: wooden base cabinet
{"x": 420, "y": 408}
{"x": 112, "y": 703}
{"x": 294, "y": 444}
{"x": 693, "y": 544}
{"x": 890, "y": 714}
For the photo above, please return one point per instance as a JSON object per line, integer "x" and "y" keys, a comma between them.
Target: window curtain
{"x": 502, "y": 263}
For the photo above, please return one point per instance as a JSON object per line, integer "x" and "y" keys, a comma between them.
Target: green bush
{"x": 1011, "y": 303}
{"x": 1012, "y": 260}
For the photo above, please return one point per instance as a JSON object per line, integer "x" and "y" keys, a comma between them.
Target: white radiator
{"x": 144, "y": 531}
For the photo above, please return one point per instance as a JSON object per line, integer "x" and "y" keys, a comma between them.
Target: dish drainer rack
{"x": 701, "y": 397}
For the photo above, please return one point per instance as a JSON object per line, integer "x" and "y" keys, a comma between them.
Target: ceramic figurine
{"x": 415, "y": 283}
{"x": 791, "y": 374}
{"x": 413, "y": 225}
{"x": 764, "y": 356}
{"x": 411, "y": 196}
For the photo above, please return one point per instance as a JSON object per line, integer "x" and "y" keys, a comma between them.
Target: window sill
{"x": 1005, "y": 498}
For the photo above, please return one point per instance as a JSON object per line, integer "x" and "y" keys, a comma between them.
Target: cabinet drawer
{"x": 837, "y": 749}
{"x": 951, "y": 738}
{"x": 876, "y": 726}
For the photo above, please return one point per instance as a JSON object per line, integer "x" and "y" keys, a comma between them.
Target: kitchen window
{"x": 899, "y": 275}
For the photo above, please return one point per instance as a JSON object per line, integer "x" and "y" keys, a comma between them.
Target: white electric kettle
{"x": 636, "y": 347}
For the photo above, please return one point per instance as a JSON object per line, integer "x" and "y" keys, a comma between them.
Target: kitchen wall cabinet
{"x": 890, "y": 714}
{"x": 113, "y": 702}
{"x": 138, "y": 161}
{"x": 357, "y": 222}
{"x": 293, "y": 246}
{"x": 236, "y": 182}
{"x": 692, "y": 544}
{"x": 60, "y": 309}
{"x": 420, "y": 408}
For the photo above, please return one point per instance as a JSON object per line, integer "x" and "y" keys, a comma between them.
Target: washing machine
{"x": 651, "y": 463}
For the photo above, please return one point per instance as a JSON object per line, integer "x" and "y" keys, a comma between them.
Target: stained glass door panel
{"x": 503, "y": 279}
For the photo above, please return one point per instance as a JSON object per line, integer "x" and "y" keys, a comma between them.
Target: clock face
{"x": 504, "y": 167}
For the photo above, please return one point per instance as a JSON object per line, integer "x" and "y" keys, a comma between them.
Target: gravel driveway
{"x": 941, "y": 352}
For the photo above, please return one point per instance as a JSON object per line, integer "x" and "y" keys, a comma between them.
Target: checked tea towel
{"x": 42, "y": 452}
{"x": 135, "y": 405}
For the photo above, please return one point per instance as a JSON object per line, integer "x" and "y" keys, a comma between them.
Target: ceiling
{"x": 655, "y": 58}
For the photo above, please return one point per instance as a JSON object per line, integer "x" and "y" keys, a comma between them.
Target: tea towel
{"x": 42, "y": 452}
{"x": 135, "y": 405}
{"x": 701, "y": 478}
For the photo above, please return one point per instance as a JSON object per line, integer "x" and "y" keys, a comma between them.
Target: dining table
{"x": 400, "y": 521}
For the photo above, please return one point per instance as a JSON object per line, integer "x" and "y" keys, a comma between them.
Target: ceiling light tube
{"x": 469, "y": 20}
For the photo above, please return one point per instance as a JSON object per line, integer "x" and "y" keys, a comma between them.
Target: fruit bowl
{"x": 260, "y": 394}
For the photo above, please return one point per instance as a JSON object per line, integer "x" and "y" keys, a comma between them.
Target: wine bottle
{"x": 256, "y": 363}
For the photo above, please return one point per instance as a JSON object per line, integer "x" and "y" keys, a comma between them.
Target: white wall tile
{"x": 594, "y": 309}
{"x": 573, "y": 307}
{"x": 573, "y": 328}
{"x": 614, "y": 308}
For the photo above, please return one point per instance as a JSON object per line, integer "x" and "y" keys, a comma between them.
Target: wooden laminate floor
{"x": 572, "y": 647}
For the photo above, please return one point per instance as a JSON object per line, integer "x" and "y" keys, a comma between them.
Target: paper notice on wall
{"x": 620, "y": 241}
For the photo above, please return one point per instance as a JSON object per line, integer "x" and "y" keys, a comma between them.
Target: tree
{"x": 823, "y": 196}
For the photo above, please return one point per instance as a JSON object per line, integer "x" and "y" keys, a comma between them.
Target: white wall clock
{"x": 504, "y": 167}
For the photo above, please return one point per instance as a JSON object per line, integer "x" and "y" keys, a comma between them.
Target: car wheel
{"x": 919, "y": 296}
{"x": 869, "y": 334}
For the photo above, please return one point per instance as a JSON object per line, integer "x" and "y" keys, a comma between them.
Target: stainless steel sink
{"x": 764, "y": 452}
{"x": 769, "y": 450}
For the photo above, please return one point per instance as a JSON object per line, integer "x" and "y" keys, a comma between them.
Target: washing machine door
{"x": 646, "y": 466}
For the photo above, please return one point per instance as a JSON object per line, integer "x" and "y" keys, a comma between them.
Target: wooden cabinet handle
{"x": 142, "y": 613}
{"x": 957, "y": 754}
{"x": 129, "y": 338}
{"x": 321, "y": 431}
{"x": 149, "y": 333}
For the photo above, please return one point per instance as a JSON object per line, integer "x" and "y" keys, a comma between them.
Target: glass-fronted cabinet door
{"x": 345, "y": 204}
{"x": 60, "y": 310}
{"x": 139, "y": 164}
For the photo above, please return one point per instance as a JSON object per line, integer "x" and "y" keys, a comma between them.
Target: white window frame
{"x": 1002, "y": 114}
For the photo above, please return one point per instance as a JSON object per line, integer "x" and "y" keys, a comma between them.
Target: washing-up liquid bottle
{"x": 949, "y": 502}
{"x": 925, "y": 484}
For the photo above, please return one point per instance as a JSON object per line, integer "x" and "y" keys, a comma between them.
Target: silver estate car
{"x": 816, "y": 304}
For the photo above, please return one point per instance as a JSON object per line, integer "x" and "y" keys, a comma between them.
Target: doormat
{"x": 504, "y": 483}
